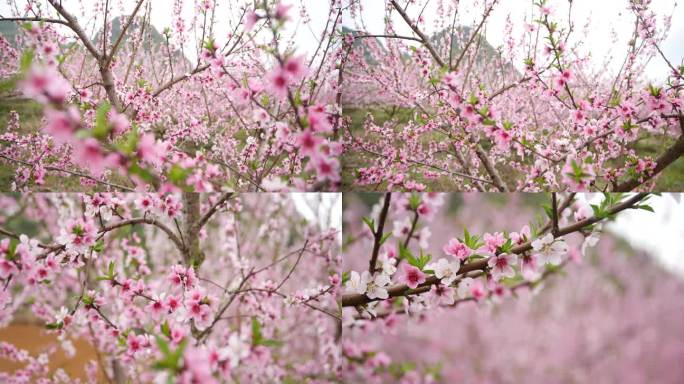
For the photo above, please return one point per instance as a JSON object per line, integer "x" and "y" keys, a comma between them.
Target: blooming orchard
{"x": 533, "y": 114}
{"x": 194, "y": 288}
{"x": 403, "y": 280}
{"x": 129, "y": 108}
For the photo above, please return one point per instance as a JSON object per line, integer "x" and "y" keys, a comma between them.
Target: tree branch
{"x": 352, "y": 300}
{"x": 119, "y": 39}
{"x": 377, "y": 236}
{"x": 39, "y": 19}
{"x": 225, "y": 197}
{"x": 146, "y": 220}
{"x": 423, "y": 38}
{"x": 663, "y": 161}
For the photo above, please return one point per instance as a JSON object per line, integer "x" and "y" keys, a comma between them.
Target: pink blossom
{"x": 493, "y": 241}
{"x": 62, "y": 125}
{"x": 318, "y": 120}
{"x": 296, "y": 67}
{"x": 251, "y": 19}
{"x": 308, "y": 143}
{"x": 529, "y": 267}
{"x": 156, "y": 308}
{"x": 478, "y": 290}
{"x": 327, "y": 168}
{"x": 502, "y": 265}
{"x": 90, "y": 152}
{"x": 442, "y": 295}
{"x": 7, "y": 268}
{"x": 411, "y": 276}
{"x": 457, "y": 249}
{"x": 150, "y": 150}
{"x": 196, "y": 367}
{"x": 281, "y": 11}
{"x": 136, "y": 343}
{"x": 119, "y": 122}
{"x": 46, "y": 85}
{"x": 278, "y": 82}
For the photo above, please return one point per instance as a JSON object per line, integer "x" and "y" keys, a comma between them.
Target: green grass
{"x": 671, "y": 179}
{"x": 30, "y": 120}
{"x": 353, "y": 160}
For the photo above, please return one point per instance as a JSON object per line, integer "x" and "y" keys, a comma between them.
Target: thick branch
{"x": 72, "y": 23}
{"x": 146, "y": 220}
{"x": 491, "y": 170}
{"x": 39, "y": 19}
{"x": 225, "y": 197}
{"x": 191, "y": 216}
{"x": 472, "y": 38}
{"x": 663, "y": 161}
{"x": 178, "y": 79}
{"x": 377, "y": 236}
{"x": 352, "y": 300}
{"x": 119, "y": 39}
{"x": 423, "y": 38}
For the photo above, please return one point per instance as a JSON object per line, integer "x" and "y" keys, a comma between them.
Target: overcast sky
{"x": 162, "y": 17}
{"x": 658, "y": 233}
{"x": 605, "y": 16}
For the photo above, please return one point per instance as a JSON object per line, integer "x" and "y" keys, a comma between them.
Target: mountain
{"x": 441, "y": 41}
{"x": 153, "y": 40}
{"x": 486, "y": 52}
{"x": 9, "y": 30}
{"x": 364, "y": 44}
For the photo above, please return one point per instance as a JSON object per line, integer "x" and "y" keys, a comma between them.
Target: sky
{"x": 659, "y": 233}
{"x": 605, "y": 15}
{"x": 322, "y": 209}
{"x": 162, "y": 17}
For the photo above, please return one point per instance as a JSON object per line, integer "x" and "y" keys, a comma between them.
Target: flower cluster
{"x": 163, "y": 299}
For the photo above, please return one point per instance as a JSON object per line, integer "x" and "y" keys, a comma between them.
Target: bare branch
{"x": 378, "y": 235}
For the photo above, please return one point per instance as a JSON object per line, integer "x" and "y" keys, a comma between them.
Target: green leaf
{"x": 370, "y": 223}
{"x": 385, "y": 237}
{"x": 171, "y": 359}
{"x": 645, "y": 207}
{"x": 414, "y": 201}
{"x": 53, "y": 326}
{"x": 12, "y": 249}
{"x": 88, "y": 300}
{"x": 257, "y": 337}
{"x": 423, "y": 260}
{"x": 177, "y": 175}
{"x": 345, "y": 276}
{"x": 143, "y": 173}
{"x": 162, "y": 344}
{"x": 298, "y": 98}
{"x": 129, "y": 142}
{"x": 507, "y": 246}
{"x": 26, "y": 60}
{"x": 271, "y": 343}
{"x": 101, "y": 128}
{"x": 404, "y": 253}
{"x": 99, "y": 246}
{"x": 165, "y": 329}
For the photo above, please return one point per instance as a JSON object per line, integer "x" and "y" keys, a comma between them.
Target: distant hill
{"x": 153, "y": 38}
{"x": 9, "y": 30}
{"x": 485, "y": 54}
{"x": 364, "y": 44}
{"x": 153, "y": 41}
{"x": 441, "y": 41}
